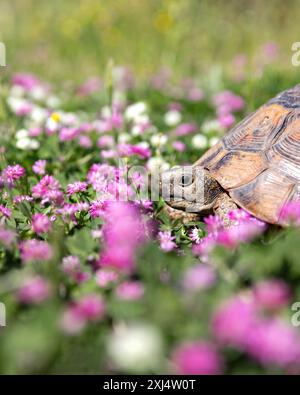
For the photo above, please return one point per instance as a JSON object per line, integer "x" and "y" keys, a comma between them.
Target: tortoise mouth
{"x": 177, "y": 204}
{"x": 182, "y": 204}
{"x": 178, "y": 199}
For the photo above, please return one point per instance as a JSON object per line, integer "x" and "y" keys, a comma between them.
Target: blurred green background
{"x": 76, "y": 38}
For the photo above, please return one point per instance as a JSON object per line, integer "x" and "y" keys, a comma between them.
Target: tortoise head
{"x": 189, "y": 188}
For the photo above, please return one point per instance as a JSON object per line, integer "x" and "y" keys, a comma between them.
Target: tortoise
{"x": 256, "y": 166}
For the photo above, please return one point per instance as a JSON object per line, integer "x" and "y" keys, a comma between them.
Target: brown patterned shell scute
{"x": 258, "y": 161}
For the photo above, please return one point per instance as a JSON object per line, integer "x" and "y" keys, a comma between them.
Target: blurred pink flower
{"x": 239, "y": 64}
{"x": 40, "y": 223}
{"x": 71, "y": 322}
{"x": 76, "y": 187}
{"x": 290, "y": 213}
{"x": 90, "y": 86}
{"x": 123, "y": 78}
{"x": 226, "y": 120}
{"x": 213, "y": 224}
{"x": 39, "y": 167}
{"x": 130, "y": 290}
{"x": 243, "y": 232}
{"x": 146, "y": 205}
{"x": 166, "y": 241}
{"x": 190, "y": 90}
{"x": 108, "y": 154}
{"x": 185, "y": 129}
{"x": 22, "y": 198}
{"x": 34, "y": 132}
{"x": 106, "y": 276}
{"x": 34, "y": 290}
{"x": 161, "y": 79}
{"x": 239, "y": 215}
{"x": 26, "y": 81}
{"x": 69, "y": 211}
{"x": 89, "y": 308}
{"x": 272, "y": 342}
{"x": 68, "y": 134}
{"x": 198, "y": 357}
{"x": 7, "y": 237}
{"x": 239, "y": 323}
{"x": 123, "y": 232}
{"x": 97, "y": 209}
{"x": 85, "y": 142}
{"x": 100, "y": 175}
{"x": 240, "y": 60}
{"x": 205, "y": 245}
{"x": 105, "y": 141}
{"x": 5, "y": 211}
{"x": 195, "y": 94}
{"x": 179, "y": 146}
{"x": 198, "y": 277}
{"x": 23, "y": 109}
{"x": 71, "y": 266}
{"x": 234, "y": 320}
{"x": 12, "y": 173}
{"x": 227, "y": 102}
{"x": 48, "y": 189}
{"x": 35, "y": 250}
{"x": 270, "y": 50}
{"x": 44, "y": 186}
{"x": 272, "y": 294}
{"x": 175, "y": 106}
{"x": 129, "y": 150}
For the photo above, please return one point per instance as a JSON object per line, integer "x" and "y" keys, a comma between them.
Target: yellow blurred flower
{"x": 163, "y": 21}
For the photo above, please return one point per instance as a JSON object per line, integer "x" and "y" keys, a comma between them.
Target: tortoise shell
{"x": 258, "y": 161}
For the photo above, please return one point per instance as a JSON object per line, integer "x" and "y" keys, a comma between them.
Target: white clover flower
{"x": 24, "y": 143}
{"x": 157, "y": 164}
{"x": 69, "y": 118}
{"x": 15, "y": 103}
{"x": 135, "y": 111}
{"x": 105, "y": 112}
{"x": 199, "y": 141}
{"x": 16, "y": 91}
{"x": 27, "y": 144}
{"x": 213, "y": 141}
{"x": 21, "y": 134}
{"x": 51, "y": 124}
{"x": 124, "y": 138}
{"x": 38, "y": 93}
{"x": 136, "y": 130}
{"x": 172, "y": 118}
{"x": 53, "y": 101}
{"x": 34, "y": 144}
{"x": 158, "y": 140}
{"x": 210, "y": 126}
{"x": 143, "y": 144}
{"x": 135, "y": 348}
{"x": 142, "y": 119}
{"x": 38, "y": 115}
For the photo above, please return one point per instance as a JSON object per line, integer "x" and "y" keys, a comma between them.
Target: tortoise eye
{"x": 186, "y": 180}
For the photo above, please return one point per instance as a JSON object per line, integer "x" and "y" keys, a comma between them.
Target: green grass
{"x": 75, "y": 39}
